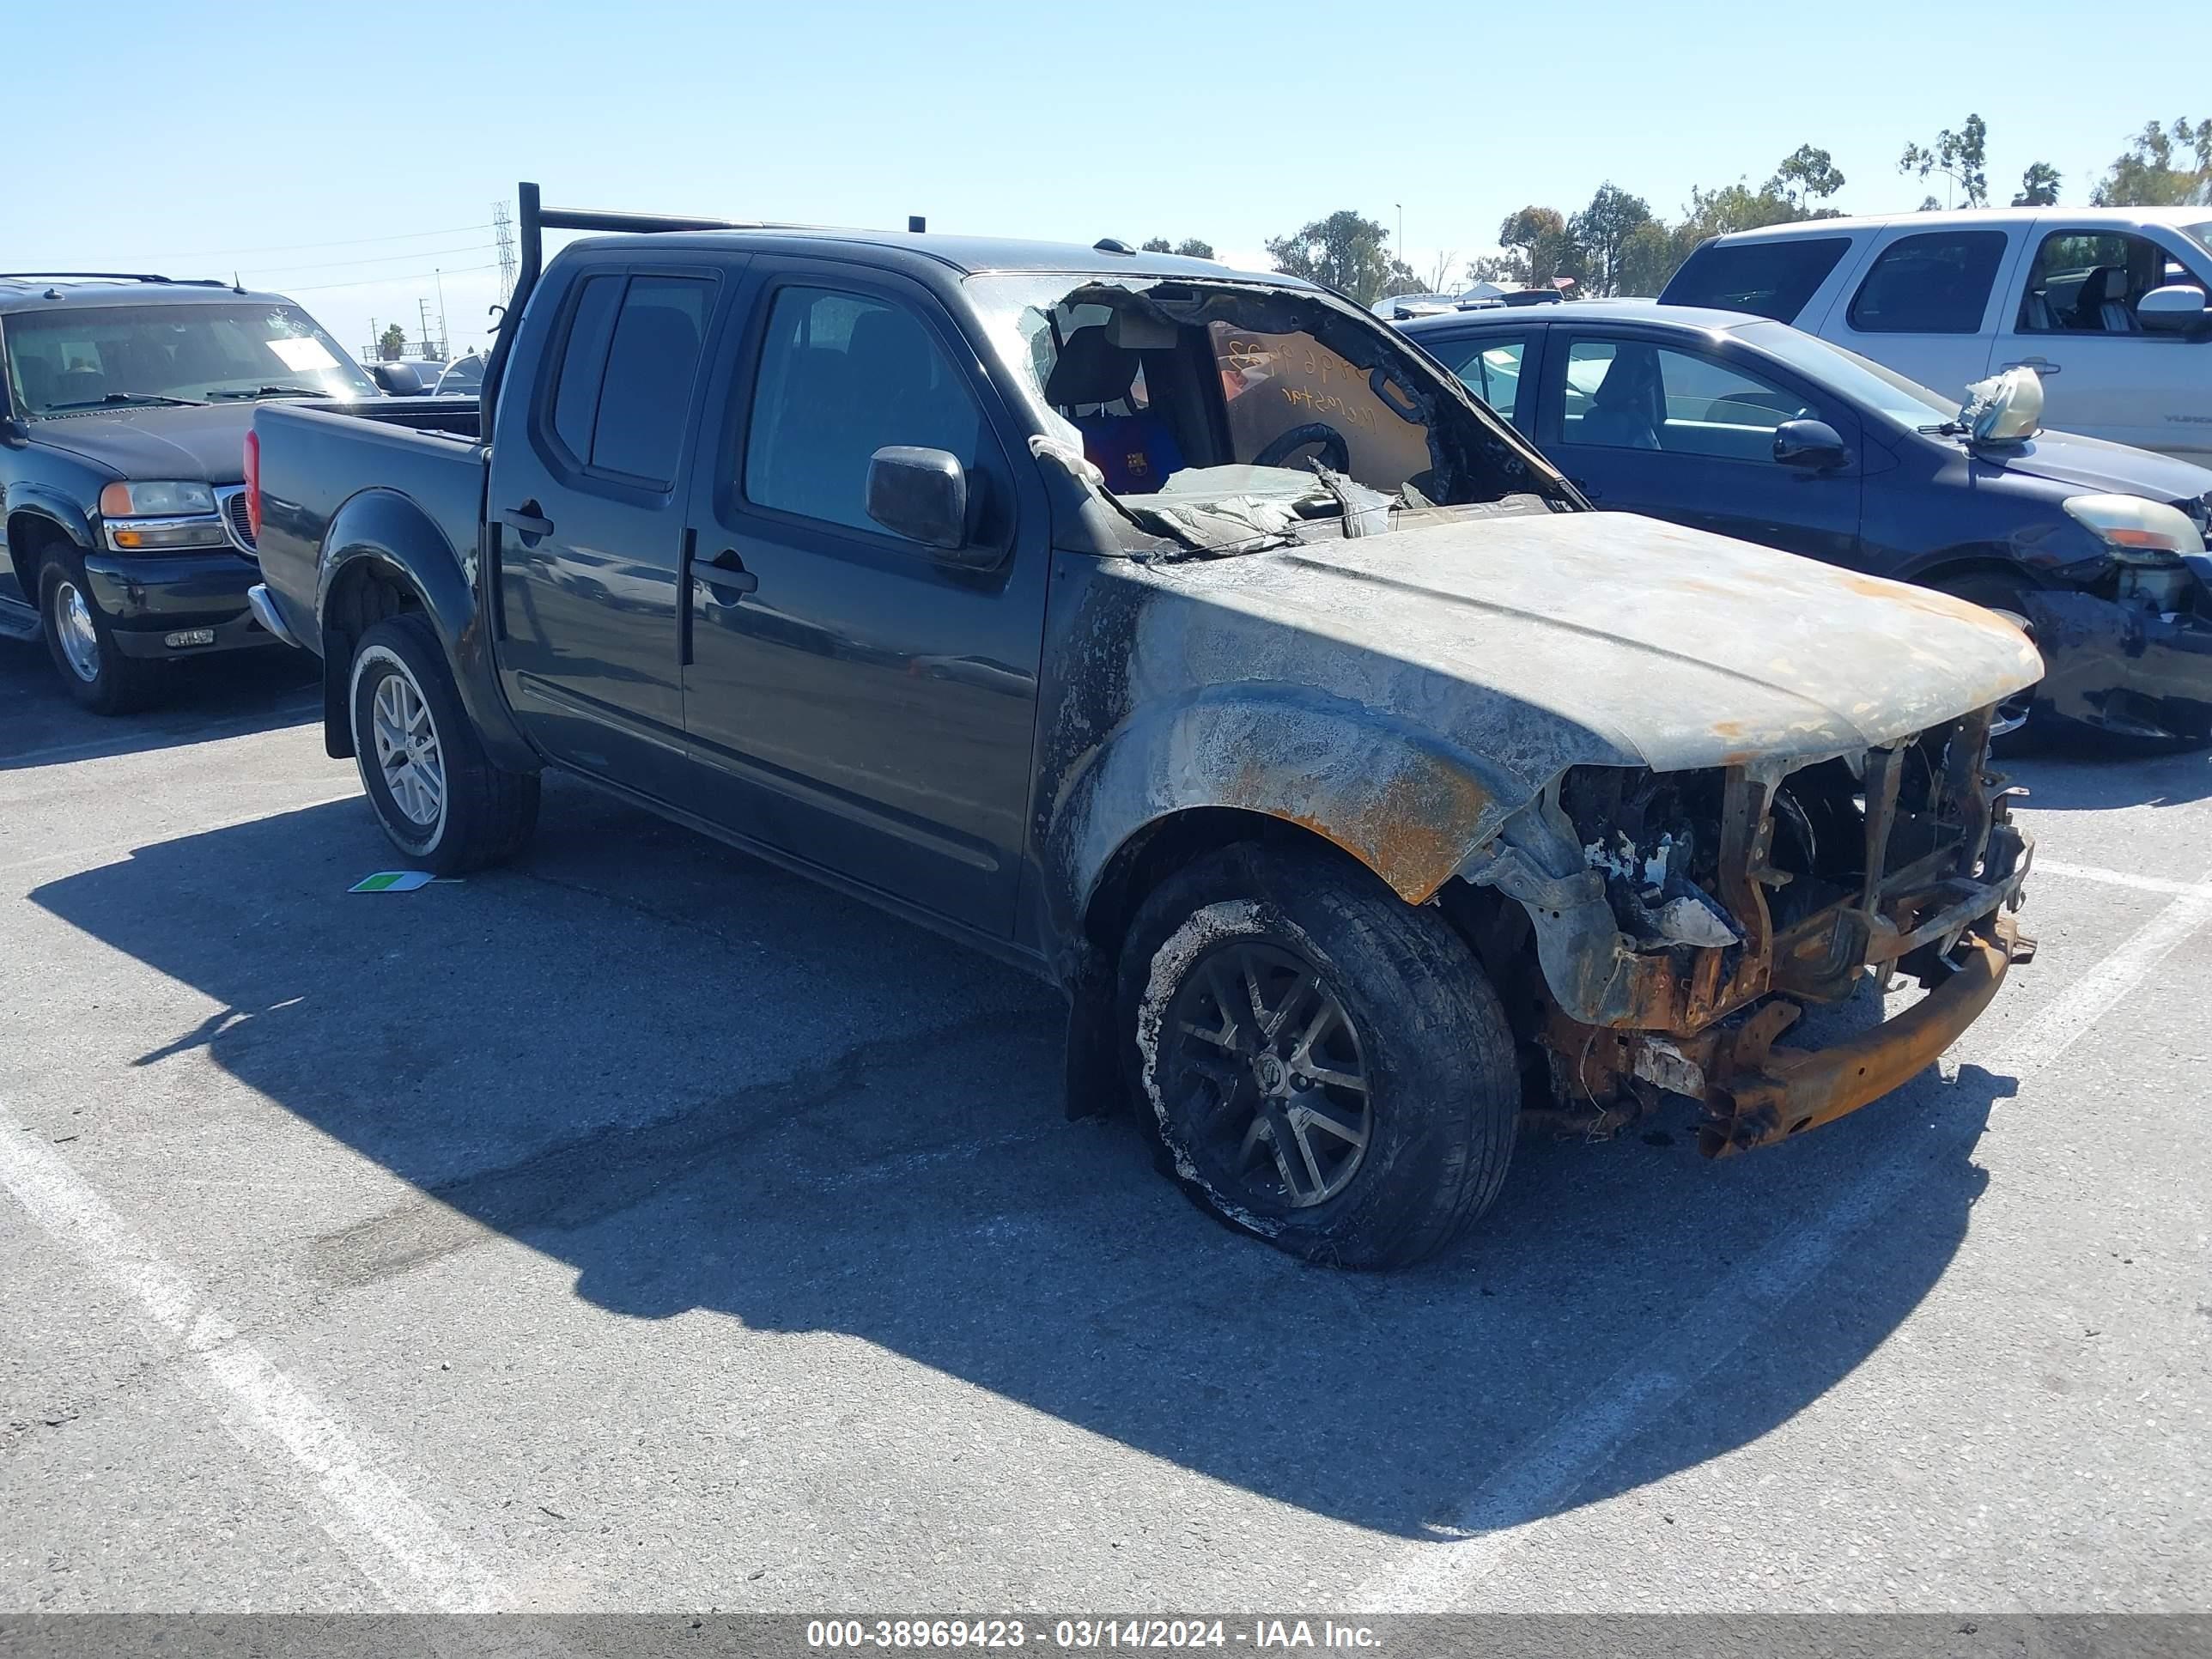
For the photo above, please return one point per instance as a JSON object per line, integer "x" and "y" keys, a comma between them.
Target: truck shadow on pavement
{"x": 702, "y": 1083}
{"x": 229, "y": 696}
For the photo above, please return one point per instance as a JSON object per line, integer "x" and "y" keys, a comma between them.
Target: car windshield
{"x": 466, "y": 376}
{"x": 1860, "y": 379}
{"x": 2201, "y": 234}
{"x": 77, "y": 357}
{"x": 1227, "y": 415}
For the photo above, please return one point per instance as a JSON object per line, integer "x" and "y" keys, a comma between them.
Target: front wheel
{"x": 438, "y": 796}
{"x": 84, "y": 648}
{"x": 1325, "y": 1066}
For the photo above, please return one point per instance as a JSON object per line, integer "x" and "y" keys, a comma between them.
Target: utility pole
{"x": 422, "y": 321}
{"x": 502, "y": 233}
{"x": 445, "y": 340}
{"x": 376, "y": 342}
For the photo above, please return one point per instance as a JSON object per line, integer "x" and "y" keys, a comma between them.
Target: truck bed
{"x": 318, "y": 457}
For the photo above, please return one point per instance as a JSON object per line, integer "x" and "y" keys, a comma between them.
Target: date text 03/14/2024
{"x": 1260, "y": 1635}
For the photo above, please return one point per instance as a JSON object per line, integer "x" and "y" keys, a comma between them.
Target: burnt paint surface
{"x": 1404, "y": 695}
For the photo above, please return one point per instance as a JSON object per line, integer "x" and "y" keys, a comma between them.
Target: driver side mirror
{"x": 2176, "y": 308}
{"x": 1814, "y": 445}
{"x": 923, "y": 495}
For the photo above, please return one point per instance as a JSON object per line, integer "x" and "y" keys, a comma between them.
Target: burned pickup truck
{"x": 1188, "y": 638}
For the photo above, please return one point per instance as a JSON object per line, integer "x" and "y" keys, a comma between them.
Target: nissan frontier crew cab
{"x": 1013, "y": 588}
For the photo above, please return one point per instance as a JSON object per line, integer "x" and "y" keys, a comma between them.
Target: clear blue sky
{"x": 198, "y": 139}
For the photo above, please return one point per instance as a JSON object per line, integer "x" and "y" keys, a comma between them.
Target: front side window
{"x": 1489, "y": 366}
{"x": 1627, "y": 394}
{"x": 1937, "y": 282}
{"x": 81, "y": 357}
{"x": 2088, "y": 282}
{"x": 842, "y": 375}
{"x": 1769, "y": 279}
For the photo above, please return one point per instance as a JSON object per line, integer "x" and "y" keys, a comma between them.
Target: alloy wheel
{"x": 407, "y": 749}
{"x": 74, "y": 632}
{"x": 1264, "y": 1067}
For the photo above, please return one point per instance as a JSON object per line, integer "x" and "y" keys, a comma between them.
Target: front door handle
{"x": 526, "y": 520}
{"x": 726, "y": 571}
{"x": 2044, "y": 368}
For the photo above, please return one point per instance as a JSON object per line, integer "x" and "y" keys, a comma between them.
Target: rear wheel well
{"x": 366, "y": 592}
{"x": 1952, "y": 569}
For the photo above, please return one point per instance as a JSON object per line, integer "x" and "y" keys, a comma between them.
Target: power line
{"x": 397, "y": 277}
{"x": 378, "y": 258}
{"x": 353, "y": 241}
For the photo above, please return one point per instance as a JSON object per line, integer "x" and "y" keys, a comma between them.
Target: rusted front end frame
{"x": 1938, "y": 877}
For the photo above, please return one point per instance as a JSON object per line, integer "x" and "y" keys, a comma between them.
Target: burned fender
{"x": 1405, "y": 804}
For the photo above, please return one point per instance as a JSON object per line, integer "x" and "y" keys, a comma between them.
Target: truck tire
{"x": 83, "y": 645}
{"x": 439, "y": 798}
{"x": 1323, "y": 1065}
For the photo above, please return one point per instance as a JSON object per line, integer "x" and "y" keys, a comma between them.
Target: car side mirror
{"x": 2176, "y": 308}
{"x": 1812, "y": 445}
{"x": 922, "y": 495}
{"x": 13, "y": 433}
{"x": 400, "y": 379}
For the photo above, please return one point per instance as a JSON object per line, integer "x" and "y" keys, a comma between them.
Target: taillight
{"x": 254, "y": 485}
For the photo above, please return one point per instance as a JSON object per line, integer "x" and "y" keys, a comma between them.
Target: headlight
{"x": 2135, "y": 530}
{"x": 156, "y": 500}
{"x": 158, "y": 518}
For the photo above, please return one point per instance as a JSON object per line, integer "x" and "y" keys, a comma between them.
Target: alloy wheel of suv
{"x": 91, "y": 665}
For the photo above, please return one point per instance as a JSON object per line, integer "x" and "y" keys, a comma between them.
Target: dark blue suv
{"x": 125, "y": 404}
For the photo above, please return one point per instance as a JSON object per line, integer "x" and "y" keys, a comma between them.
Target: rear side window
{"x": 627, "y": 371}
{"x": 1937, "y": 283}
{"x": 1488, "y": 365}
{"x": 576, "y": 394}
{"x": 842, "y": 375}
{"x": 1768, "y": 279}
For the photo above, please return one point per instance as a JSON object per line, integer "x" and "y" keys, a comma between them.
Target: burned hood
{"x": 1527, "y": 645}
{"x": 197, "y": 445}
{"x": 2093, "y": 465}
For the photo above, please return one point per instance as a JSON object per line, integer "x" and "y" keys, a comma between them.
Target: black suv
{"x": 125, "y": 404}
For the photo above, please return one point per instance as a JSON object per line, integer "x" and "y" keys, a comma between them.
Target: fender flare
{"x": 1408, "y": 806}
{"x": 52, "y": 508}
{"x": 384, "y": 529}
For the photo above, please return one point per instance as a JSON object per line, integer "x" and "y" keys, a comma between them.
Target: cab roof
{"x": 968, "y": 255}
{"x": 1504, "y": 319}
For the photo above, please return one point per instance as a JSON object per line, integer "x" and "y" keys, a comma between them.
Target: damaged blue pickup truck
{"x": 1012, "y": 587}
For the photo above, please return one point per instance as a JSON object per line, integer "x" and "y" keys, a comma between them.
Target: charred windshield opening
{"x": 1229, "y": 418}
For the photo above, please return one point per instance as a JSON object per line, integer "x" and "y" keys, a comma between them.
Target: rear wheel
{"x": 2012, "y": 732}
{"x": 83, "y": 647}
{"x": 438, "y": 796}
{"x": 1325, "y": 1066}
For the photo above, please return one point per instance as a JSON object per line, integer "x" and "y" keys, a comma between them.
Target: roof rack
{"x": 110, "y": 276}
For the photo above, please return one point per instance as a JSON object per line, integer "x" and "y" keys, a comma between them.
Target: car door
{"x": 854, "y": 699}
{"x": 587, "y": 503}
{"x": 1685, "y": 431}
{"x": 1495, "y": 364}
{"x": 1928, "y": 303}
{"x": 2103, "y": 374}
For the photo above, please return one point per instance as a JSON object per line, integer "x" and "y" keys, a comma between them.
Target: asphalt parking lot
{"x": 641, "y": 1227}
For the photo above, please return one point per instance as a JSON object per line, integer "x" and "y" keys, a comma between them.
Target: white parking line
{"x": 399, "y": 1545}
{"x": 2115, "y": 878}
{"x": 1543, "y": 1477}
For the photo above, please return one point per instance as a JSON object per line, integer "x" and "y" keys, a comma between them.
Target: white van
{"x": 2111, "y": 306}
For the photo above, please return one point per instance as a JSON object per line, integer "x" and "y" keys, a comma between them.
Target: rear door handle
{"x": 725, "y": 570}
{"x": 526, "y": 520}
{"x": 2044, "y": 368}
